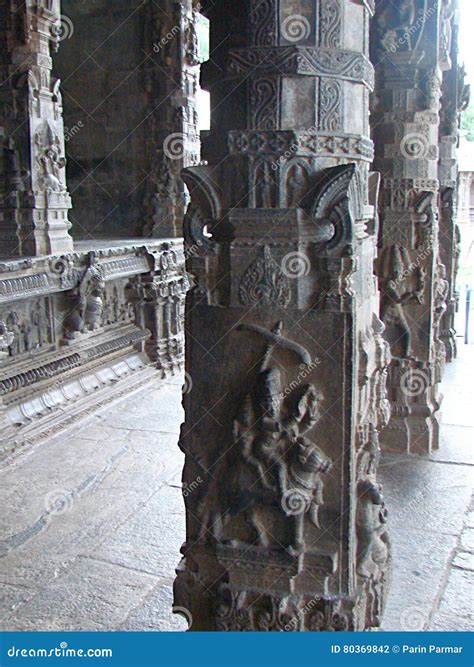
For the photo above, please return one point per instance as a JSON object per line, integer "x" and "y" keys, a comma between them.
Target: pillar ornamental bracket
{"x": 287, "y": 529}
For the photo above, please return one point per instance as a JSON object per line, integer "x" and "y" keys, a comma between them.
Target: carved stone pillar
{"x": 159, "y": 299}
{"x": 455, "y": 98}
{"x": 172, "y": 79}
{"x": 34, "y": 201}
{"x": 410, "y": 49}
{"x": 286, "y": 524}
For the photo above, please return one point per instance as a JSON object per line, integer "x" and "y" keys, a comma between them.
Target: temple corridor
{"x": 261, "y": 201}
{"x": 94, "y": 535}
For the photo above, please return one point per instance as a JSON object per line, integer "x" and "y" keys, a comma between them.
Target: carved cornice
{"x": 58, "y": 364}
{"x": 58, "y": 273}
{"x": 24, "y": 287}
{"x": 121, "y": 268}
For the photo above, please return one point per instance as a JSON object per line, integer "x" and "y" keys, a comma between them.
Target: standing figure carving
{"x": 87, "y": 302}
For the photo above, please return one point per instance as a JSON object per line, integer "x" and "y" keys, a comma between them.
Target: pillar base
{"x": 253, "y": 590}
{"x": 415, "y": 408}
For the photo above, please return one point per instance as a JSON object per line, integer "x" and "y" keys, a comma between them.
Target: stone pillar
{"x": 285, "y": 359}
{"x": 172, "y": 80}
{"x": 410, "y": 50}
{"x": 455, "y": 98}
{"x": 159, "y": 298}
{"x": 34, "y": 201}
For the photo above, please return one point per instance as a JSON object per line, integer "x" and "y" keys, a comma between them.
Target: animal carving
{"x": 275, "y": 466}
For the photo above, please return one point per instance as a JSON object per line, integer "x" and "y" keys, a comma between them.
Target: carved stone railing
{"x": 82, "y": 328}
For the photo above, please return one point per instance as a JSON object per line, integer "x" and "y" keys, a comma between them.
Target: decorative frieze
{"x": 304, "y": 61}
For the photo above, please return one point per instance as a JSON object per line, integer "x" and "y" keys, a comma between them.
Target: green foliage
{"x": 467, "y": 121}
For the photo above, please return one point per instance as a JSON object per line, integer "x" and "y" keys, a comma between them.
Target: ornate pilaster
{"x": 455, "y": 98}
{"x": 160, "y": 298}
{"x": 172, "y": 80}
{"x": 34, "y": 201}
{"x": 411, "y": 48}
{"x": 286, "y": 524}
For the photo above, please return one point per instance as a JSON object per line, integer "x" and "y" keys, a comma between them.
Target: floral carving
{"x": 264, "y": 283}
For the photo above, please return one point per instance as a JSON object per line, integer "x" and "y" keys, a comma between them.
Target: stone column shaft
{"x": 455, "y": 98}
{"x": 411, "y": 45}
{"x": 285, "y": 356}
{"x": 172, "y": 79}
{"x": 34, "y": 201}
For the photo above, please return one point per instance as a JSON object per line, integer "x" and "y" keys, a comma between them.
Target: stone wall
{"x": 129, "y": 76}
{"x": 100, "y": 63}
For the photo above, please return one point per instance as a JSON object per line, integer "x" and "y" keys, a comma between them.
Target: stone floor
{"x": 92, "y": 521}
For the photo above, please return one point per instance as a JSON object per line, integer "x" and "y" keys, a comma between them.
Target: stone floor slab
{"x": 90, "y": 595}
{"x": 103, "y": 557}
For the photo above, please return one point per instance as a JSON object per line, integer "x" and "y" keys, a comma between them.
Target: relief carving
{"x": 401, "y": 285}
{"x": 394, "y": 23}
{"x": 263, "y": 96}
{"x": 373, "y": 548}
{"x": 6, "y": 339}
{"x": 264, "y": 283}
{"x": 263, "y": 24}
{"x": 50, "y": 161}
{"x": 277, "y": 469}
{"x": 28, "y": 327}
{"x": 330, "y": 24}
{"x": 87, "y": 302}
{"x": 330, "y": 106}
